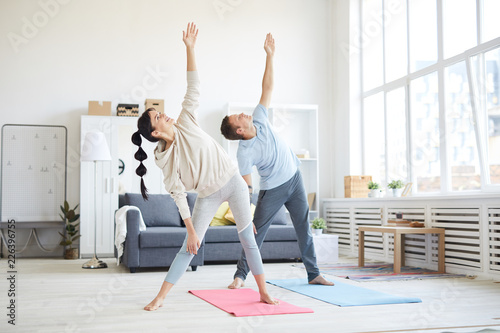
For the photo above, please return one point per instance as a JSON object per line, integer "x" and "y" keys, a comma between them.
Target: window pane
{"x": 492, "y": 87}
{"x": 424, "y": 106}
{"x": 491, "y": 23}
{"x": 423, "y": 37}
{"x": 374, "y": 142}
{"x": 372, "y": 47}
{"x": 461, "y": 138}
{"x": 396, "y": 50}
{"x": 459, "y": 26}
{"x": 396, "y": 136}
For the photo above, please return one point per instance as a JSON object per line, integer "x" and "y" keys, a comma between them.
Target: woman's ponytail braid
{"x": 144, "y": 129}
{"x": 140, "y": 155}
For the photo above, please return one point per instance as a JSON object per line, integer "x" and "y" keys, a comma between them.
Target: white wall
{"x": 56, "y": 55}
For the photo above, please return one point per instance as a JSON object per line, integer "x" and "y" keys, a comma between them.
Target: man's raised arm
{"x": 268, "y": 80}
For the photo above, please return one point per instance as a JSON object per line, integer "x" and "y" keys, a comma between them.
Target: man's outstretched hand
{"x": 269, "y": 44}
{"x": 189, "y": 36}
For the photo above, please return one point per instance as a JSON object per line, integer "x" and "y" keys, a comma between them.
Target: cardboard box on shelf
{"x": 158, "y": 104}
{"x": 99, "y": 108}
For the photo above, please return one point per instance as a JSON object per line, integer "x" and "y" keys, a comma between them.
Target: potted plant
{"x": 397, "y": 187}
{"x": 70, "y": 219}
{"x": 318, "y": 224}
{"x": 374, "y": 188}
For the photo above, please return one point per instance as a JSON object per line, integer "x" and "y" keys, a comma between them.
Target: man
{"x": 280, "y": 179}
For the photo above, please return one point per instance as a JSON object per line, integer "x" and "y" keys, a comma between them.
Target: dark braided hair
{"x": 144, "y": 129}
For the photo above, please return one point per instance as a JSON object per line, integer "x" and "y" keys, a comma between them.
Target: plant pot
{"x": 396, "y": 192}
{"x": 375, "y": 194}
{"x": 71, "y": 254}
{"x": 317, "y": 232}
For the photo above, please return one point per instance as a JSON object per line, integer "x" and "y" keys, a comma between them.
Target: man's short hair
{"x": 228, "y": 131}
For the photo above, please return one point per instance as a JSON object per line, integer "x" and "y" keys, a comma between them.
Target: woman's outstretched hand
{"x": 189, "y": 36}
{"x": 269, "y": 44}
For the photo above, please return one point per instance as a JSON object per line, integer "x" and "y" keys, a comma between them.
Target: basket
{"x": 127, "y": 110}
{"x": 356, "y": 186}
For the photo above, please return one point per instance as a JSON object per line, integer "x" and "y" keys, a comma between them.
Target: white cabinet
{"x": 297, "y": 124}
{"x": 111, "y": 178}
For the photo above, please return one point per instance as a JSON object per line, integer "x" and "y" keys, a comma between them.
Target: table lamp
{"x": 95, "y": 148}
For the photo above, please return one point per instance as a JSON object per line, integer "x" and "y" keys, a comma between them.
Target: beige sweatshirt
{"x": 194, "y": 161}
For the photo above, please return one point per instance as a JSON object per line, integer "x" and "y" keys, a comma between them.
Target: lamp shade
{"x": 95, "y": 147}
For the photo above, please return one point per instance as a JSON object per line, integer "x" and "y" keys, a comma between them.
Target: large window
{"x": 425, "y": 133}
{"x": 431, "y": 93}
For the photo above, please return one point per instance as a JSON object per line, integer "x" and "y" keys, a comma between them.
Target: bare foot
{"x": 237, "y": 283}
{"x": 154, "y": 305}
{"x": 265, "y": 298}
{"x": 321, "y": 280}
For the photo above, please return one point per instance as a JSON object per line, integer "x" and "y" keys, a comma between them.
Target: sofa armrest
{"x": 131, "y": 249}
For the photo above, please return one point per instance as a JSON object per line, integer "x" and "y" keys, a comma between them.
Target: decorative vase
{"x": 396, "y": 192}
{"x": 317, "y": 232}
{"x": 71, "y": 254}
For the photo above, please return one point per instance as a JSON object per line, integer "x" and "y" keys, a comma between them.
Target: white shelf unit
{"x": 297, "y": 124}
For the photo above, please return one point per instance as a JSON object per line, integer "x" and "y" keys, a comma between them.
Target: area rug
{"x": 382, "y": 272}
{"x": 342, "y": 294}
{"x": 245, "y": 302}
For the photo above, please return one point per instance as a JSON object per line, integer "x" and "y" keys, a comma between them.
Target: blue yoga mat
{"x": 342, "y": 294}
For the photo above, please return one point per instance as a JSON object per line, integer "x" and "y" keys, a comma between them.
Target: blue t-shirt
{"x": 275, "y": 161}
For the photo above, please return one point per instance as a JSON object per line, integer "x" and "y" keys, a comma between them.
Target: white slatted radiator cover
{"x": 462, "y": 236}
{"x": 494, "y": 238}
{"x": 471, "y": 223}
{"x": 374, "y": 241}
{"x": 338, "y": 222}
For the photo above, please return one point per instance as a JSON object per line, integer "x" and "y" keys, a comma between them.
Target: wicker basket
{"x": 356, "y": 186}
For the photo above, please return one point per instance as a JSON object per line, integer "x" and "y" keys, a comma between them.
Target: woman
{"x": 192, "y": 160}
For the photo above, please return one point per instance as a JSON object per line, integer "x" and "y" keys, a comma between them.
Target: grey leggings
{"x": 235, "y": 192}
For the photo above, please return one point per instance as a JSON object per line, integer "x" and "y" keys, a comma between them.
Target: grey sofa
{"x": 158, "y": 245}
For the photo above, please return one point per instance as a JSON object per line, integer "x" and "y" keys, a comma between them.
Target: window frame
{"x": 438, "y": 67}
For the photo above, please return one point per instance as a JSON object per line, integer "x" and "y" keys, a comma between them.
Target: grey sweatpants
{"x": 235, "y": 192}
{"x": 292, "y": 194}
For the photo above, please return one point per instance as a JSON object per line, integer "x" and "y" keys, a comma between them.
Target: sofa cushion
{"x": 280, "y": 217}
{"x": 158, "y": 210}
{"x": 191, "y": 198}
{"x": 162, "y": 237}
{"x": 228, "y": 234}
{"x": 279, "y": 233}
{"x": 222, "y": 234}
{"x": 219, "y": 217}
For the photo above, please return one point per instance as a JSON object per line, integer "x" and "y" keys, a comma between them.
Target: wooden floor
{"x": 56, "y": 295}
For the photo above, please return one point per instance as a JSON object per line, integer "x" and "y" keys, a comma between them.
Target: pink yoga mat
{"x": 245, "y": 302}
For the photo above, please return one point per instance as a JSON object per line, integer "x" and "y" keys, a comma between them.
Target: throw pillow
{"x": 229, "y": 215}
{"x": 281, "y": 217}
{"x": 219, "y": 218}
{"x": 159, "y": 211}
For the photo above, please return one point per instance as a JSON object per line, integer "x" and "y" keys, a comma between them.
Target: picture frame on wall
{"x": 406, "y": 190}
